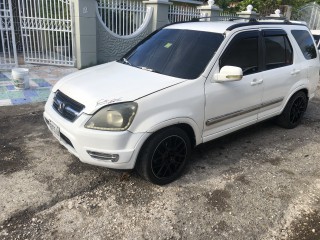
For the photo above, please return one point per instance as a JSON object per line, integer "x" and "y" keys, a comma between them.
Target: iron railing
{"x": 182, "y": 13}
{"x": 46, "y": 30}
{"x": 8, "y": 53}
{"x": 122, "y": 17}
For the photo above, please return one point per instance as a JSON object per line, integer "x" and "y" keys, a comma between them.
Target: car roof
{"x": 217, "y": 27}
{"x": 223, "y": 26}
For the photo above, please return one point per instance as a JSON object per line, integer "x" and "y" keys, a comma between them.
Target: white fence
{"x": 8, "y": 53}
{"x": 46, "y": 30}
{"x": 225, "y": 16}
{"x": 122, "y": 17}
{"x": 182, "y": 13}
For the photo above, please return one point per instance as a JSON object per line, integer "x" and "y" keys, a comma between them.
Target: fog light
{"x": 104, "y": 156}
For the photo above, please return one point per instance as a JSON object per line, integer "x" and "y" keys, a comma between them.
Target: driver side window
{"x": 243, "y": 52}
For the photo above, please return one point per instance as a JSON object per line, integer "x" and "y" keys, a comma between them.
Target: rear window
{"x": 175, "y": 52}
{"x": 278, "y": 52}
{"x": 305, "y": 43}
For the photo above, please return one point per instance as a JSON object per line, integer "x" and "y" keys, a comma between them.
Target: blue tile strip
{"x": 38, "y": 92}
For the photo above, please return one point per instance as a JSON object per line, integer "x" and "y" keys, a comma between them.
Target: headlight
{"x": 117, "y": 117}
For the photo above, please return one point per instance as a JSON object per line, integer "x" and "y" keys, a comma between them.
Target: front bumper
{"x": 81, "y": 141}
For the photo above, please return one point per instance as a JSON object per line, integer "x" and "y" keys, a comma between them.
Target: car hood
{"x": 111, "y": 83}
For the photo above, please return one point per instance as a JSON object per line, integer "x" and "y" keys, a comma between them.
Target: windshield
{"x": 175, "y": 52}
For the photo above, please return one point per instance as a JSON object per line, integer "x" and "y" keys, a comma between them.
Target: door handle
{"x": 295, "y": 72}
{"x": 256, "y": 82}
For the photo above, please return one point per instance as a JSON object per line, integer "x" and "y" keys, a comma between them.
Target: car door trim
{"x": 218, "y": 119}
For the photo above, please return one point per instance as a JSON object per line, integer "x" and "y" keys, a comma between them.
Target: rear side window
{"x": 278, "y": 52}
{"x": 305, "y": 43}
{"x": 243, "y": 52}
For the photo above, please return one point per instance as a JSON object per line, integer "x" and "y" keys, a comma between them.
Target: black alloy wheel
{"x": 164, "y": 156}
{"x": 294, "y": 111}
{"x": 168, "y": 156}
{"x": 297, "y": 110}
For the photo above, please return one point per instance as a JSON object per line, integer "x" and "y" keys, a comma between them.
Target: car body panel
{"x": 211, "y": 109}
{"x": 111, "y": 83}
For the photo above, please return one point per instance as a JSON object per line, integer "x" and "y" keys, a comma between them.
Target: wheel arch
{"x": 187, "y": 124}
{"x": 183, "y": 126}
{"x": 303, "y": 89}
{"x": 294, "y": 109}
{"x": 145, "y": 157}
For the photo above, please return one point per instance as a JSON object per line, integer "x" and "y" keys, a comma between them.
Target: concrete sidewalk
{"x": 42, "y": 79}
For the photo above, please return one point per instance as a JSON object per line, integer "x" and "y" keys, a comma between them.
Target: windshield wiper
{"x": 148, "y": 69}
{"x": 126, "y": 61}
{"x": 143, "y": 68}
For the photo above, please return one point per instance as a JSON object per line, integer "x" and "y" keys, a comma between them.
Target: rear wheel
{"x": 294, "y": 110}
{"x": 164, "y": 157}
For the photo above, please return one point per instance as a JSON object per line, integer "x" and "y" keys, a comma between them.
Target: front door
{"x": 232, "y": 105}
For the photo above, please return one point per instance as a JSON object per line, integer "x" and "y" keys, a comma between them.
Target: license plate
{"x": 54, "y": 129}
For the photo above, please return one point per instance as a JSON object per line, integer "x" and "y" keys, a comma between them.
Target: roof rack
{"x": 233, "y": 18}
{"x": 223, "y": 18}
{"x": 252, "y": 21}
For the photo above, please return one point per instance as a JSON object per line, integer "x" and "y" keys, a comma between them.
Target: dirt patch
{"x": 15, "y": 131}
{"x": 26, "y": 225}
{"x": 129, "y": 193}
{"x": 274, "y": 161}
{"x": 218, "y": 200}
{"x": 12, "y": 156}
{"x": 306, "y": 228}
{"x": 287, "y": 172}
{"x": 242, "y": 179}
{"x": 221, "y": 227}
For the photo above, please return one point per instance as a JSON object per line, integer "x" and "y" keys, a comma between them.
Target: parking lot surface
{"x": 262, "y": 182}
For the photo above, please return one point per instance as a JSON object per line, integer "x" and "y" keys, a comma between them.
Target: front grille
{"x": 67, "y": 107}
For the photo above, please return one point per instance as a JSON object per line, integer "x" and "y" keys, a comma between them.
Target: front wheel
{"x": 294, "y": 110}
{"x": 164, "y": 156}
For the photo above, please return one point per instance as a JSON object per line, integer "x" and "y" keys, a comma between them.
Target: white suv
{"x": 184, "y": 85}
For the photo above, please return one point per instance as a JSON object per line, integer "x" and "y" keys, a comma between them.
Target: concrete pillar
{"x": 249, "y": 13}
{"x": 288, "y": 11}
{"x": 85, "y": 33}
{"x": 211, "y": 11}
{"x": 277, "y": 15}
{"x": 160, "y": 12}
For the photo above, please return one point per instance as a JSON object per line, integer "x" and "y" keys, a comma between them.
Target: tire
{"x": 164, "y": 156}
{"x": 293, "y": 112}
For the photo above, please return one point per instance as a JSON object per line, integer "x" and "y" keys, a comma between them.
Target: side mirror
{"x": 228, "y": 74}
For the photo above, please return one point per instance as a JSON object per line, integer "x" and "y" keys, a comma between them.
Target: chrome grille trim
{"x": 66, "y": 106}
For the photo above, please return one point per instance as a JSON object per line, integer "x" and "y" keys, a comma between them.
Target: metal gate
{"x": 310, "y": 14}
{"x": 46, "y": 31}
{"x": 8, "y": 52}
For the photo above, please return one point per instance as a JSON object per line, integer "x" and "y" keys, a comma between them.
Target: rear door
{"x": 285, "y": 69}
{"x": 310, "y": 57}
{"x": 281, "y": 70}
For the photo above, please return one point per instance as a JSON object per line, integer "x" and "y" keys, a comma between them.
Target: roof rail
{"x": 232, "y": 18}
{"x": 253, "y": 21}
{"x": 263, "y": 23}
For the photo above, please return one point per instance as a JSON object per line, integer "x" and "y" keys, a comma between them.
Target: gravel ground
{"x": 262, "y": 182}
